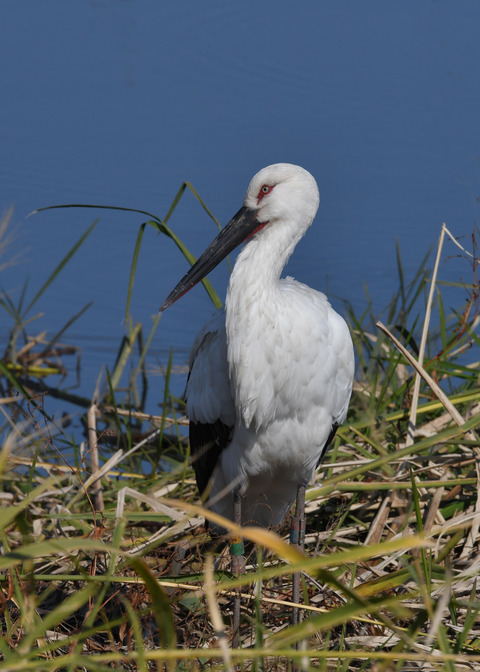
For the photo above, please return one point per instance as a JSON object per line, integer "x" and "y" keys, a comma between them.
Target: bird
{"x": 271, "y": 374}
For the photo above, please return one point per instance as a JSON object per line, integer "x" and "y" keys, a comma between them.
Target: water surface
{"x": 119, "y": 103}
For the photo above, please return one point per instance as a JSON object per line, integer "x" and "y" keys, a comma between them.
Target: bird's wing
{"x": 210, "y": 407}
{"x": 346, "y": 367}
{"x": 318, "y": 338}
{"x": 340, "y": 387}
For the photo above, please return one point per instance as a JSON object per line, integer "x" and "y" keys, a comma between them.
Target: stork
{"x": 271, "y": 374}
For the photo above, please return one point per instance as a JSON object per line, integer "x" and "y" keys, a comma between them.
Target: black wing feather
{"x": 331, "y": 436}
{"x": 206, "y": 443}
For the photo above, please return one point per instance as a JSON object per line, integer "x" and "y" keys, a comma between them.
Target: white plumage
{"x": 271, "y": 374}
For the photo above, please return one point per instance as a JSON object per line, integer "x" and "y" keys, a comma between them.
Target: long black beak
{"x": 238, "y": 229}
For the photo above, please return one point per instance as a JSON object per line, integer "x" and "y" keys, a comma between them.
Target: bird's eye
{"x": 266, "y": 189}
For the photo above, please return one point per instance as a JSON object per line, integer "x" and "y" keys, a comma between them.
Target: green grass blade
{"x": 163, "y": 228}
{"x": 160, "y": 602}
{"x": 66, "y": 326}
{"x": 133, "y": 269}
{"x": 60, "y": 266}
{"x": 95, "y": 207}
{"x": 126, "y": 349}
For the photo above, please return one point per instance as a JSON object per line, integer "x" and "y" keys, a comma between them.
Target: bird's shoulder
{"x": 312, "y": 312}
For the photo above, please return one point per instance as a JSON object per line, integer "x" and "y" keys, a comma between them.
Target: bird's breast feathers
{"x": 294, "y": 360}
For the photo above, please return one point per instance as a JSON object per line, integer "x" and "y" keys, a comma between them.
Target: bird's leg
{"x": 297, "y": 538}
{"x": 238, "y": 565}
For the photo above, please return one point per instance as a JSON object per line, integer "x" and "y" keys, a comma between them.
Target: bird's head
{"x": 280, "y": 192}
{"x": 283, "y": 191}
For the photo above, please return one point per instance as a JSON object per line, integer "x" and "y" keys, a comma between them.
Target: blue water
{"x": 119, "y": 102}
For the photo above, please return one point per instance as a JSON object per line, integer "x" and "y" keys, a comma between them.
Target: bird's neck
{"x": 261, "y": 262}
{"x": 253, "y": 305}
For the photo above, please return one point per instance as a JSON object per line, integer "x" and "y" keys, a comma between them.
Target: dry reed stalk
{"x": 472, "y": 537}
{"x": 215, "y": 615}
{"x": 94, "y": 461}
{"x": 436, "y": 389}
{"x": 379, "y": 522}
{"x": 118, "y": 457}
{"x": 154, "y": 419}
{"x": 421, "y": 352}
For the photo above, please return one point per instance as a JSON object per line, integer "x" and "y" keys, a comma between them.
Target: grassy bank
{"x": 105, "y": 560}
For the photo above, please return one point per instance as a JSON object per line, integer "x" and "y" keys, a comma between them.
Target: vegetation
{"x": 105, "y": 561}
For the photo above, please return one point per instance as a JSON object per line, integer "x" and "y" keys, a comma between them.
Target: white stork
{"x": 271, "y": 374}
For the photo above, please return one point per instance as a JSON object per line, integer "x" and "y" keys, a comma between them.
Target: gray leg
{"x": 297, "y": 538}
{"x": 238, "y": 565}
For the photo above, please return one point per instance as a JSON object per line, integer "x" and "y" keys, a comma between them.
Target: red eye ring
{"x": 264, "y": 190}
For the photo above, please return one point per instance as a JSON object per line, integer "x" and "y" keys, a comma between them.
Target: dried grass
{"x": 106, "y": 563}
